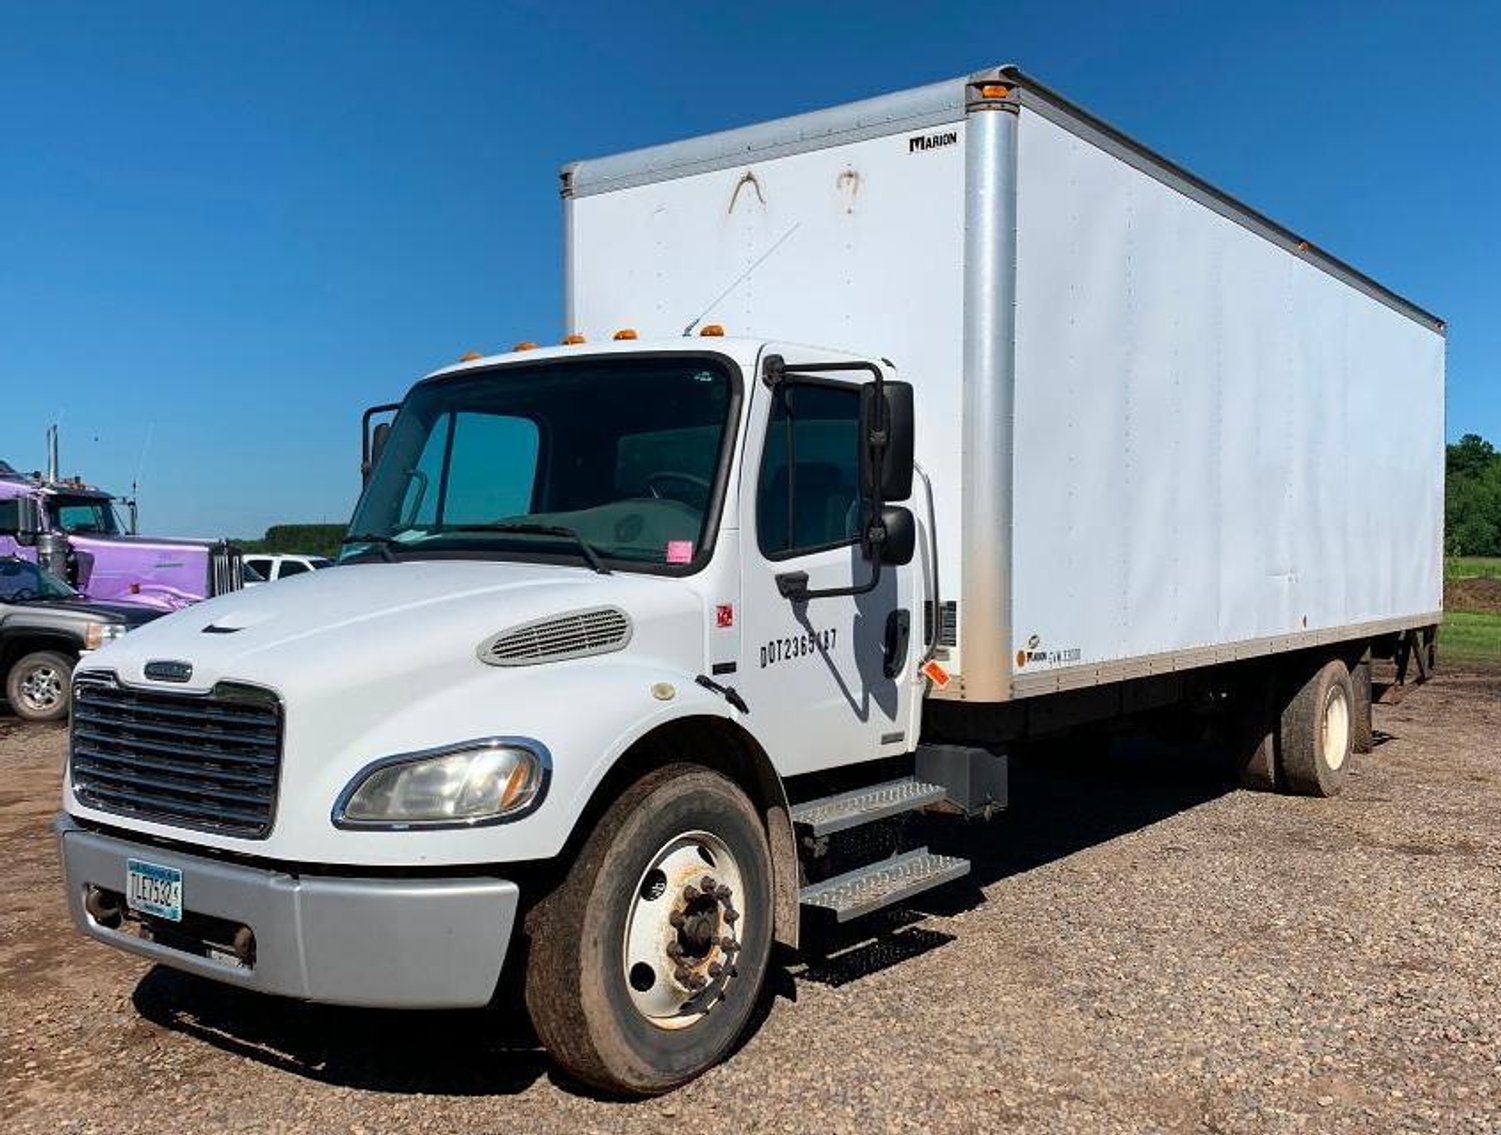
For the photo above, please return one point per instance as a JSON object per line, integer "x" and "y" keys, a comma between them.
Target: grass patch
{"x": 1472, "y": 567}
{"x": 1469, "y": 638}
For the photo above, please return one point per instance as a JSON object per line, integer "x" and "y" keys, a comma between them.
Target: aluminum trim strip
{"x": 1097, "y": 674}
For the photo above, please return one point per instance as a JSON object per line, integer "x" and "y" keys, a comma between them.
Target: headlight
{"x": 96, "y": 635}
{"x": 475, "y": 782}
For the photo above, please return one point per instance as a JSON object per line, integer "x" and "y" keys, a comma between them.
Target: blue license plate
{"x": 153, "y": 889}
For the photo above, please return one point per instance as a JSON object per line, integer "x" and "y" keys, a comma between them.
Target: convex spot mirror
{"x": 900, "y": 543}
{"x": 886, "y": 415}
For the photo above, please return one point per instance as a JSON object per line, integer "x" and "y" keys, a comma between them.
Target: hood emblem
{"x": 163, "y": 670}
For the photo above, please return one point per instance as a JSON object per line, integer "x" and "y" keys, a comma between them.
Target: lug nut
{"x": 724, "y": 893}
{"x": 682, "y": 976}
{"x": 674, "y": 950}
{"x": 732, "y": 916}
{"x": 690, "y": 892}
{"x": 728, "y": 944}
{"x": 707, "y": 883}
{"x": 715, "y": 969}
{"x": 675, "y": 919}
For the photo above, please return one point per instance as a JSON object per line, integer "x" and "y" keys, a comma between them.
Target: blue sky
{"x": 224, "y": 230}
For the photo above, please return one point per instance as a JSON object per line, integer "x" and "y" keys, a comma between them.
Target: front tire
{"x": 646, "y": 961}
{"x": 38, "y": 686}
{"x": 1317, "y": 734}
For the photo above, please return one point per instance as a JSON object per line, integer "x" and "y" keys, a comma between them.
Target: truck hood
{"x": 374, "y": 624}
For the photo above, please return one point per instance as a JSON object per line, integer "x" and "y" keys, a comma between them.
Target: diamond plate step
{"x": 865, "y": 805}
{"x": 880, "y": 884}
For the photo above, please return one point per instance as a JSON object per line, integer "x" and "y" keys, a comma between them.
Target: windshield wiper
{"x": 382, "y": 542}
{"x": 586, "y": 549}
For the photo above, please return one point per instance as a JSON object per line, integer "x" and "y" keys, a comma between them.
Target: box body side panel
{"x": 1216, "y": 442}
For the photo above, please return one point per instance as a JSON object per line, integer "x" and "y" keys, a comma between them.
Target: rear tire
{"x": 38, "y": 686}
{"x": 1316, "y": 738}
{"x": 610, "y": 988}
{"x": 1360, "y": 682}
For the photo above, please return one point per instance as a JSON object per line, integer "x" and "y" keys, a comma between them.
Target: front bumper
{"x": 390, "y": 943}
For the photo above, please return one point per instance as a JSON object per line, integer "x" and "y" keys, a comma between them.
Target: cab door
{"x": 828, "y": 680}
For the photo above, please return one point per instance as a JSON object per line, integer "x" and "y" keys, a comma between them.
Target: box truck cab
{"x": 643, "y": 647}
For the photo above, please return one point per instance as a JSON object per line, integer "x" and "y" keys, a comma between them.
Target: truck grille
{"x": 207, "y": 762}
{"x": 226, "y": 569}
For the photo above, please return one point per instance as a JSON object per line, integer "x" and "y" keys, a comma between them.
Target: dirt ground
{"x": 1481, "y": 593}
{"x": 1139, "y": 948}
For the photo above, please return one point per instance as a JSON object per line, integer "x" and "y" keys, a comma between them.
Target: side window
{"x": 259, "y": 565}
{"x": 808, "y": 492}
{"x": 419, "y": 504}
{"x": 291, "y": 567}
{"x": 492, "y": 470}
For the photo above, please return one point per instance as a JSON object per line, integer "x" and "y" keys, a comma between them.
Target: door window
{"x": 291, "y": 567}
{"x": 808, "y": 492}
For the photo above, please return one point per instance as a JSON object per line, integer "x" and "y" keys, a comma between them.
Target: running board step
{"x": 831, "y": 814}
{"x": 883, "y": 883}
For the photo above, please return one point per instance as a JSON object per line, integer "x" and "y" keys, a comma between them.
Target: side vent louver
{"x": 576, "y": 634}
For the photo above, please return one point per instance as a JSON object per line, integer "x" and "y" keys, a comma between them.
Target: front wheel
{"x": 37, "y": 686}
{"x": 647, "y": 960}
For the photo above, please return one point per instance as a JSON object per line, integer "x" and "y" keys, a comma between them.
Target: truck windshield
{"x": 623, "y": 453}
{"x": 91, "y": 515}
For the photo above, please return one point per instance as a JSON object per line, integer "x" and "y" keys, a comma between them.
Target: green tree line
{"x": 1472, "y": 500}
{"x": 306, "y": 539}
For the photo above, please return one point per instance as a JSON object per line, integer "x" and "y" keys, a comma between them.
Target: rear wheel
{"x": 646, "y": 961}
{"x": 1317, "y": 734}
{"x": 37, "y": 686}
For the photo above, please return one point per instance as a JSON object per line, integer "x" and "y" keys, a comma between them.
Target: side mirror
{"x": 900, "y": 543}
{"x": 886, "y": 431}
{"x": 378, "y": 438}
{"x": 19, "y": 520}
{"x": 372, "y": 441}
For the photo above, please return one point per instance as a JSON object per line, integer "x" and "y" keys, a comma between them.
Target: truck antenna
{"x": 738, "y": 280}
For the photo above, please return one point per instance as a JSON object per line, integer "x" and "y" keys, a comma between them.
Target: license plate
{"x": 152, "y": 889}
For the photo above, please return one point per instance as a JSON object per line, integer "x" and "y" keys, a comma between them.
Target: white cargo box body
{"x": 1162, "y": 431}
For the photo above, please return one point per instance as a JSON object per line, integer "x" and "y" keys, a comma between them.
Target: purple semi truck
{"x": 72, "y": 530}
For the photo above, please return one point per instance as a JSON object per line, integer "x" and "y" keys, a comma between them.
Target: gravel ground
{"x": 1139, "y": 950}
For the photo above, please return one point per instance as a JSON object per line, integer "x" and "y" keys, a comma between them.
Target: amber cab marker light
{"x": 626, "y": 333}
{"x": 470, "y": 356}
{"x": 572, "y": 340}
{"x": 994, "y": 91}
{"x": 525, "y": 345}
{"x": 712, "y": 331}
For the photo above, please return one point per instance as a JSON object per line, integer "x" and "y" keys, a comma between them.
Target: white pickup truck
{"x": 643, "y": 646}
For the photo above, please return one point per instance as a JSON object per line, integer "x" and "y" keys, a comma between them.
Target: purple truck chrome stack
{"x": 72, "y": 530}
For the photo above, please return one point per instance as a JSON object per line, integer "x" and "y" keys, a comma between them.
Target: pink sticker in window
{"x": 680, "y": 551}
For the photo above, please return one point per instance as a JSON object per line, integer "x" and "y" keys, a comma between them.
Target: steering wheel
{"x": 701, "y": 487}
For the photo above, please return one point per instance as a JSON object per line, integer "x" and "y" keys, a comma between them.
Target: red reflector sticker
{"x": 935, "y": 671}
{"x": 724, "y": 615}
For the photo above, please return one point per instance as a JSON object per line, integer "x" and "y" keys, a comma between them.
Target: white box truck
{"x": 643, "y": 646}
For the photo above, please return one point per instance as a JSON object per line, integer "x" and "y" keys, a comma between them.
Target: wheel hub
{"x": 681, "y": 933}
{"x": 42, "y": 688}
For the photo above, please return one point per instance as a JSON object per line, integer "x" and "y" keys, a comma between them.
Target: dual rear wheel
{"x": 1298, "y": 731}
